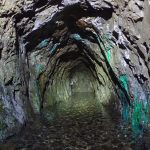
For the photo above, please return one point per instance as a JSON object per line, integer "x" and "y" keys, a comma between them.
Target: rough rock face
{"x": 60, "y": 56}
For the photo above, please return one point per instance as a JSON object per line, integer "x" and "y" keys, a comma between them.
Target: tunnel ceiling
{"x": 71, "y": 56}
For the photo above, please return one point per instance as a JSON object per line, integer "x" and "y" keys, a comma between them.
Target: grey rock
{"x": 55, "y": 51}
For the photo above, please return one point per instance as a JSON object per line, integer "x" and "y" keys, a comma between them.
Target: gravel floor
{"x": 86, "y": 132}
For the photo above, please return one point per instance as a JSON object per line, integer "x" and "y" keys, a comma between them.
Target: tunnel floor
{"x": 86, "y": 132}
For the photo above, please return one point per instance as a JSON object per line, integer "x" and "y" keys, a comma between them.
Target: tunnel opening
{"x": 75, "y": 78}
{"x": 72, "y": 89}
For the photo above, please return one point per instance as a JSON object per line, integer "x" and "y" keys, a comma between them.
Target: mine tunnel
{"x": 74, "y": 75}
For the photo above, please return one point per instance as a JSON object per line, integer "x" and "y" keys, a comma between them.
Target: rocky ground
{"x": 88, "y": 132}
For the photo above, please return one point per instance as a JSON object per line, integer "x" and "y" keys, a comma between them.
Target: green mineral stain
{"x": 108, "y": 55}
{"x": 140, "y": 115}
{"x": 106, "y": 45}
{"x": 136, "y": 123}
{"x": 53, "y": 48}
{"x": 39, "y": 68}
{"x": 125, "y": 107}
{"x": 77, "y": 37}
{"x": 145, "y": 116}
{"x": 43, "y": 44}
{"x": 123, "y": 79}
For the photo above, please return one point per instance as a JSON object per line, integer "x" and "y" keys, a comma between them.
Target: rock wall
{"x": 54, "y": 53}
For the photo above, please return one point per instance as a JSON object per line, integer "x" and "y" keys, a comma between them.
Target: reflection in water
{"x": 79, "y": 103}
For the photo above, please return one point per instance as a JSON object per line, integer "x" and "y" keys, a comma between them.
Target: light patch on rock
{"x": 69, "y": 2}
